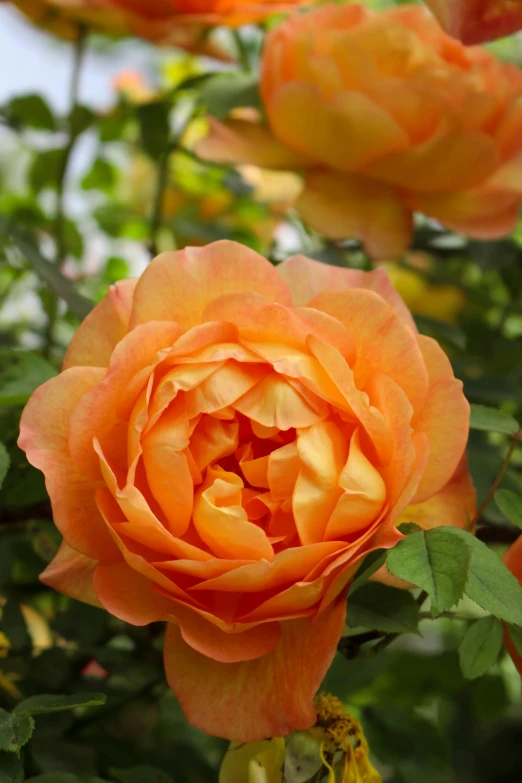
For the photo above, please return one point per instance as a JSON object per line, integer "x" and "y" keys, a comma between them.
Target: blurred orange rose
{"x": 386, "y": 115}
{"x": 513, "y": 560}
{"x": 182, "y": 23}
{"x": 225, "y": 443}
{"x": 475, "y": 21}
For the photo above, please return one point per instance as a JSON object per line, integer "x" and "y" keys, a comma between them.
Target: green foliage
{"x": 491, "y": 420}
{"x": 383, "y": 608}
{"x": 45, "y": 703}
{"x": 437, "y": 561}
{"x": 480, "y": 647}
{"x": 226, "y": 91}
{"x": 4, "y": 463}
{"x": 510, "y": 504}
{"x": 21, "y": 372}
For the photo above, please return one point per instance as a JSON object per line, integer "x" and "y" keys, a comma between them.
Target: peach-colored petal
{"x": 444, "y": 418}
{"x": 178, "y": 286}
{"x": 453, "y": 505}
{"x": 131, "y": 364}
{"x": 266, "y": 697}
{"x": 238, "y": 141}
{"x": 108, "y": 323}
{"x": 214, "y": 643}
{"x": 347, "y": 134}
{"x": 354, "y": 205}
{"x": 70, "y": 573}
{"x": 368, "y": 415}
{"x": 306, "y": 278}
{"x": 449, "y": 160}
{"x": 168, "y": 473}
{"x": 276, "y": 403}
{"x": 363, "y": 495}
{"x": 383, "y": 343}
{"x": 322, "y": 452}
{"x": 43, "y": 436}
{"x": 513, "y": 560}
{"x": 222, "y": 523}
{"x": 128, "y": 595}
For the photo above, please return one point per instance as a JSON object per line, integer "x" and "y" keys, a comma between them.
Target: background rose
{"x": 513, "y": 560}
{"x": 161, "y": 21}
{"x": 475, "y": 21}
{"x": 225, "y": 442}
{"x": 386, "y": 115}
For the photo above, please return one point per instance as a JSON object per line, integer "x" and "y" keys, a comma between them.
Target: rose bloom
{"x": 474, "y": 21}
{"x": 386, "y": 115}
{"x": 180, "y": 23}
{"x": 513, "y": 560}
{"x": 225, "y": 443}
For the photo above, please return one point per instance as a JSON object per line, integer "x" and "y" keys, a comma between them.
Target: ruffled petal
{"x": 178, "y": 286}
{"x": 444, "y": 418}
{"x": 306, "y": 278}
{"x": 44, "y": 433}
{"x": 354, "y": 205}
{"x": 267, "y": 697}
{"x": 239, "y": 141}
{"x": 108, "y": 323}
{"x": 71, "y": 573}
{"x": 346, "y": 134}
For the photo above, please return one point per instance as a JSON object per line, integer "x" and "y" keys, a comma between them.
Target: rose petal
{"x": 444, "y": 418}
{"x": 266, "y": 697}
{"x": 238, "y": 141}
{"x": 108, "y": 323}
{"x": 71, "y": 573}
{"x": 354, "y": 205}
{"x": 44, "y": 433}
{"x": 306, "y": 278}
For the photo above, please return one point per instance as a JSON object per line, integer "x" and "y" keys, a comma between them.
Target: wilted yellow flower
{"x": 254, "y": 762}
{"x": 439, "y": 301}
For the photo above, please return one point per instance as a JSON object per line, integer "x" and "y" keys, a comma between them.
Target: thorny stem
{"x": 59, "y": 221}
{"x": 514, "y": 442}
{"x": 156, "y": 220}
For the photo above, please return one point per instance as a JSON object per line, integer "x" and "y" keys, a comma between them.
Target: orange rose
{"x": 180, "y": 23}
{"x": 513, "y": 560}
{"x": 386, "y": 115}
{"x": 475, "y": 21}
{"x": 225, "y": 443}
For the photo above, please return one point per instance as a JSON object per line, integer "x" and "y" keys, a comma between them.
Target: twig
{"x": 514, "y": 442}
{"x": 59, "y": 221}
{"x": 156, "y": 220}
{"x": 242, "y": 52}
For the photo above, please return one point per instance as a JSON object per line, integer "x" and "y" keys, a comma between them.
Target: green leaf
{"x": 80, "y": 120}
{"x": 140, "y": 774}
{"x": 515, "y": 634}
{"x": 510, "y": 504}
{"x": 45, "y": 169}
{"x": 369, "y": 566}
{"x": 43, "y": 703}
{"x": 4, "y": 463}
{"x": 12, "y": 623}
{"x": 226, "y": 91}
{"x": 15, "y": 731}
{"x": 480, "y": 647}
{"x": 102, "y": 176}
{"x": 31, "y": 111}
{"x": 154, "y": 122}
{"x": 492, "y": 420}
{"x": 441, "y": 331}
{"x": 435, "y": 560}
{"x": 490, "y": 583}
{"x": 11, "y": 768}
{"x": 383, "y": 608}
{"x": 22, "y": 372}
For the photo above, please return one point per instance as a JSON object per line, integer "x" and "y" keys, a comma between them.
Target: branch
{"x": 485, "y": 503}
